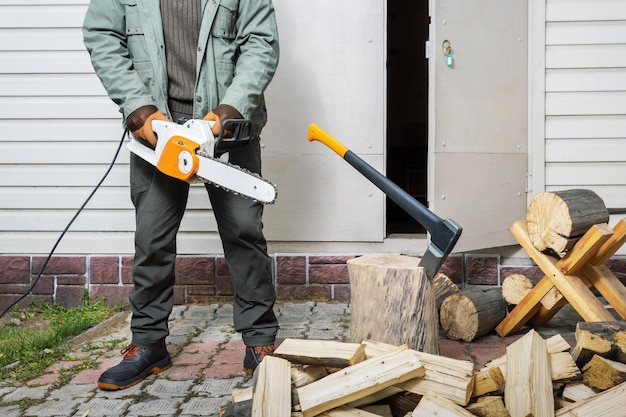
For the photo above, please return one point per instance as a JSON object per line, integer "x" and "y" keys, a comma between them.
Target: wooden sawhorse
{"x": 571, "y": 279}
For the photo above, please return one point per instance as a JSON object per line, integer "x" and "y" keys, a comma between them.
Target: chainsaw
{"x": 190, "y": 152}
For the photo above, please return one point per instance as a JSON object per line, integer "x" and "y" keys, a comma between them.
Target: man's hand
{"x": 139, "y": 122}
{"x": 219, "y": 114}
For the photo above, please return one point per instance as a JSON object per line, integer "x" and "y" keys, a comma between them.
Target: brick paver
{"x": 207, "y": 356}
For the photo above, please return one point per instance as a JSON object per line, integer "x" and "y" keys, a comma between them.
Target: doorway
{"x": 407, "y": 108}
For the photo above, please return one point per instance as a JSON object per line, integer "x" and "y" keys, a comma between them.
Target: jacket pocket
{"x": 224, "y": 25}
{"x": 136, "y": 41}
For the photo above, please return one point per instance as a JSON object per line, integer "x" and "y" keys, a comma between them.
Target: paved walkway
{"x": 207, "y": 358}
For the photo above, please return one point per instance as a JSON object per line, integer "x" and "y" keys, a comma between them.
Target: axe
{"x": 443, "y": 233}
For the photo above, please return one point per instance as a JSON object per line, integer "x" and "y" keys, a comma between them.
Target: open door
{"x": 478, "y": 159}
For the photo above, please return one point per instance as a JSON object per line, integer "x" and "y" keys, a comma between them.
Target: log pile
{"x": 536, "y": 377}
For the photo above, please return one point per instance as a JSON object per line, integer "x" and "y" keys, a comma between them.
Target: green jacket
{"x": 236, "y": 59}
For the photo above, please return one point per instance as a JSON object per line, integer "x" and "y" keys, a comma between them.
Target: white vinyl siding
{"x": 58, "y": 133}
{"x": 585, "y": 97}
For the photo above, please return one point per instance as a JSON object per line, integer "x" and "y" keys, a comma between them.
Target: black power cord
{"x": 20, "y": 298}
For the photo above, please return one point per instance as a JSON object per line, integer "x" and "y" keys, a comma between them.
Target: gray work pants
{"x": 160, "y": 202}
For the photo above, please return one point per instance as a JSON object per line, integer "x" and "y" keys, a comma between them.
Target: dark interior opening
{"x": 407, "y": 108}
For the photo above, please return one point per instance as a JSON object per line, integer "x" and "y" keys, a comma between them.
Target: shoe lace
{"x": 130, "y": 350}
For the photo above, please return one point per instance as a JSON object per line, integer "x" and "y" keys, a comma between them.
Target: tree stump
{"x": 556, "y": 220}
{"x": 473, "y": 312}
{"x": 392, "y": 301}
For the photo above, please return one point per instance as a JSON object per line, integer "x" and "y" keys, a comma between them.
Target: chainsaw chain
{"x": 201, "y": 180}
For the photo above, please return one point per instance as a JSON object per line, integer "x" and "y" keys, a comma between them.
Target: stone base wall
{"x": 202, "y": 279}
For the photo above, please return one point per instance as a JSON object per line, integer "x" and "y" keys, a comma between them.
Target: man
{"x": 176, "y": 60}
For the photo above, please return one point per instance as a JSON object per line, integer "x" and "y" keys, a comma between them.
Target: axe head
{"x": 443, "y": 239}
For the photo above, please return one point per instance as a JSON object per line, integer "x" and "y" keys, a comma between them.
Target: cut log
{"x": 528, "y": 388}
{"x": 403, "y": 403}
{"x": 329, "y": 353}
{"x": 602, "y": 373}
{"x": 557, "y": 219}
{"x": 606, "y": 339}
{"x": 488, "y": 380}
{"x": 443, "y": 287}
{"x": 605, "y": 404}
{"x": 360, "y": 380}
{"x": 432, "y": 404}
{"x": 448, "y": 377}
{"x": 272, "y": 388}
{"x": 515, "y": 287}
{"x": 490, "y": 406}
{"x": 392, "y": 301}
{"x": 473, "y": 312}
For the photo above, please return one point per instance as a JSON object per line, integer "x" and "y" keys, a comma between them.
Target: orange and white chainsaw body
{"x": 176, "y": 155}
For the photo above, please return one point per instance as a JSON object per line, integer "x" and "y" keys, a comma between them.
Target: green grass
{"x": 37, "y": 338}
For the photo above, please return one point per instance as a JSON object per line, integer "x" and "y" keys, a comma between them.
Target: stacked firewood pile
{"x": 536, "y": 377}
{"x": 540, "y": 377}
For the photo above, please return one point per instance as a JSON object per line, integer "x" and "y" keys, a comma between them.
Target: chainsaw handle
{"x": 242, "y": 134}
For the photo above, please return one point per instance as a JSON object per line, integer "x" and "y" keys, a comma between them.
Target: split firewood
{"x": 272, "y": 388}
{"x": 577, "y": 391}
{"x": 489, "y": 406}
{"x": 448, "y": 377}
{"x": 606, "y": 339}
{"x": 528, "y": 388}
{"x": 602, "y": 373}
{"x": 329, "y": 353}
{"x": 357, "y": 381}
{"x": 305, "y": 374}
{"x": 392, "y": 300}
{"x": 375, "y": 397}
{"x": 443, "y": 287}
{"x": 515, "y": 287}
{"x": 242, "y": 394}
{"x": 556, "y": 220}
{"x": 488, "y": 380}
{"x": 432, "y": 404}
{"x": 604, "y": 404}
{"x": 345, "y": 411}
{"x": 380, "y": 410}
{"x": 403, "y": 403}
{"x": 472, "y": 312}
{"x": 562, "y": 365}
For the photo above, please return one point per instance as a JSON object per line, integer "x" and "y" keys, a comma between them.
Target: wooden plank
{"x": 590, "y": 174}
{"x": 38, "y": 16}
{"x": 50, "y": 62}
{"x": 360, "y": 380}
{"x": 46, "y": 85}
{"x": 528, "y": 389}
{"x": 582, "y": 127}
{"x": 272, "y": 388}
{"x": 599, "y": 277}
{"x": 583, "y": 150}
{"x": 39, "y": 39}
{"x": 328, "y": 353}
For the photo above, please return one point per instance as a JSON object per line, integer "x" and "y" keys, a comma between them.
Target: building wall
{"x": 585, "y": 97}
